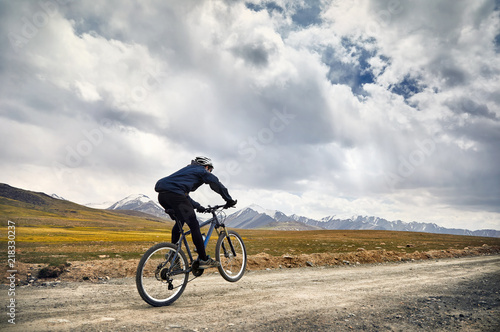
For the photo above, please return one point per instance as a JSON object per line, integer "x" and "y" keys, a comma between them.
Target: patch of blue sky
{"x": 309, "y": 14}
{"x": 408, "y": 87}
{"x": 304, "y": 15}
{"x": 355, "y": 73}
{"x": 269, "y": 6}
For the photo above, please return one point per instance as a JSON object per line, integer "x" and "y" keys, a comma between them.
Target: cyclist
{"x": 174, "y": 195}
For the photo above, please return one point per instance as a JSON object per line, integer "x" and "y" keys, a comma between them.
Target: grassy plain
{"x": 54, "y": 231}
{"x": 55, "y": 239}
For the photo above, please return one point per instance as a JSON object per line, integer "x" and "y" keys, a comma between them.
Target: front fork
{"x": 226, "y": 253}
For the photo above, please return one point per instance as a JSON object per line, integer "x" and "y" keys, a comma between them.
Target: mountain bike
{"x": 163, "y": 271}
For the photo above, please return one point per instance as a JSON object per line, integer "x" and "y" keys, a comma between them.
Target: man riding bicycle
{"x": 174, "y": 196}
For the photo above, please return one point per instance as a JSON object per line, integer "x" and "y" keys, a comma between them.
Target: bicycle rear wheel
{"x": 160, "y": 280}
{"x": 231, "y": 253}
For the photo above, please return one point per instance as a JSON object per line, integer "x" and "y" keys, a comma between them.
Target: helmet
{"x": 204, "y": 161}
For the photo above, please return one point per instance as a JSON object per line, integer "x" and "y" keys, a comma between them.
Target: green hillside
{"x": 35, "y": 208}
{"x": 53, "y": 230}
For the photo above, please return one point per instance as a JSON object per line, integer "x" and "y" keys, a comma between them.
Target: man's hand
{"x": 230, "y": 203}
{"x": 201, "y": 209}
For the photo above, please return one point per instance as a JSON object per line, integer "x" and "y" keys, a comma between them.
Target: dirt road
{"x": 451, "y": 294}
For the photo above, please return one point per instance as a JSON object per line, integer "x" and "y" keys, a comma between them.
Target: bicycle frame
{"x": 214, "y": 224}
{"x": 183, "y": 239}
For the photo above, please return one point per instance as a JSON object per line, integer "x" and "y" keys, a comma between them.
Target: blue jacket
{"x": 188, "y": 179}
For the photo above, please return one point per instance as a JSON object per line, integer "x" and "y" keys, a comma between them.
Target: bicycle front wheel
{"x": 160, "y": 279}
{"x": 231, "y": 253}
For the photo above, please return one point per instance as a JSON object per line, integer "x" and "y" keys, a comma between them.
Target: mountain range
{"x": 255, "y": 216}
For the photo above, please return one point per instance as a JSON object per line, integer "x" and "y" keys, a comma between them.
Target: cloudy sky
{"x": 319, "y": 108}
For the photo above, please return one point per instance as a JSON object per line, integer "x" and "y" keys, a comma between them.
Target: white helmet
{"x": 204, "y": 161}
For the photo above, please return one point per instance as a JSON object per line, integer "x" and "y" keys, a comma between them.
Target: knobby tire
{"x": 232, "y": 267}
{"x": 162, "y": 286}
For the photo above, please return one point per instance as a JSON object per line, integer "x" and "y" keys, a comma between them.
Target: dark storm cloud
{"x": 255, "y": 55}
{"x": 452, "y": 75}
{"x": 468, "y": 106}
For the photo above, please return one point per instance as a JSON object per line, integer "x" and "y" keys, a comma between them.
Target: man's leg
{"x": 184, "y": 212}
{"x": 176, "y": 231}
{"x": 204, "y": 261}
{"x": 164, "y": 199}
{"x": 194, "y": 226}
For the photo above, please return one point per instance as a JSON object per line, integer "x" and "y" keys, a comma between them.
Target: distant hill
{"x": 141, "y": 204}
{"x": 41, "y": 208}
{"x": 25, "y": 196}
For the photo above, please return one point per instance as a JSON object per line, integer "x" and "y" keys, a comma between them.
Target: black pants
{"x": 184, "y": 213}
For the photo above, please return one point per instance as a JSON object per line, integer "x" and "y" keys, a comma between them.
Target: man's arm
{"x": 194, "y": 203}
{"x": 216, "y": 186}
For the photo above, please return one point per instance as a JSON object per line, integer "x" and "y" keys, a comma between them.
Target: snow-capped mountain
{"x": 57, "y": 197}
{"x": 375, "y": 223}
{"x": 141, "y": 203}
{"x": 255, "y": 216}
{"x": 250, "y": 217}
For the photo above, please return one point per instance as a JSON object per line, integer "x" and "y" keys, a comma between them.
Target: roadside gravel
{"x": 461, "y": 294}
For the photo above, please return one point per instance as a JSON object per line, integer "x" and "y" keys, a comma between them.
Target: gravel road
{"x": 438, "y": 295}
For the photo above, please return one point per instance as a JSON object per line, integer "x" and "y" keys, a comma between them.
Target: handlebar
{"x": 211, "y": 209}
{"x": 214, "y": 208}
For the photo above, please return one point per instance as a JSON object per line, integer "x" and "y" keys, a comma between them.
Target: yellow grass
{"x": 66, "y": 231}
{"x": 51, "y": 235}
